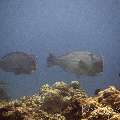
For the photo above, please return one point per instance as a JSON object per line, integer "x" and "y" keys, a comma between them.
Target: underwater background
{"x": 41, "y": 27}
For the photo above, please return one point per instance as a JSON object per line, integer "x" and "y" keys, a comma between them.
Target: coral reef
{"x": 55, "y": 98}
{"x": 63, "y": 101}
{"x": 110, "y": 97}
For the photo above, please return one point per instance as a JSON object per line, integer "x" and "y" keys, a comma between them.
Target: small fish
{"x": 18, "y": 63}
{"x": 78, "y": 62}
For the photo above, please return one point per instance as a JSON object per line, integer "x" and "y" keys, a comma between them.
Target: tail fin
{"x": 51, "y": 60}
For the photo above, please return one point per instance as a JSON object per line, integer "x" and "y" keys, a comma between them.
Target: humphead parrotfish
{"x": 18, "y": 63}
{"x": 78, "y": 62}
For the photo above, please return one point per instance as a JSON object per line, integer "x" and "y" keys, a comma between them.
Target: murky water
{"x": 60, "y": 26}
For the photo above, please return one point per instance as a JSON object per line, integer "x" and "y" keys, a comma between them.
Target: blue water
{"x": 60, "y": 26}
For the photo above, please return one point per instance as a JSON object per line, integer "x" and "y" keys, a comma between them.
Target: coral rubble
{"x": 63, "y": 101}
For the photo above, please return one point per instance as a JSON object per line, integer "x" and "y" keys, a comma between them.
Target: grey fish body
{"x": 80, "y": 63}
{"x": 18, "y": 62}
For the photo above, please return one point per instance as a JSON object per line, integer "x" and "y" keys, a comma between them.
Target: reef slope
{"x": 63, "y": 101}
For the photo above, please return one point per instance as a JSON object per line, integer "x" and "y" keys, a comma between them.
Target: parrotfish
{"x": 18, "y": 63}
{"x": 78, "y": 62}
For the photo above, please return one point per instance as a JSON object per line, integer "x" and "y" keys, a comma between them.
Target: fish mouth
{"x": 32, "y": 71}
{"x": 33, "y": 68}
